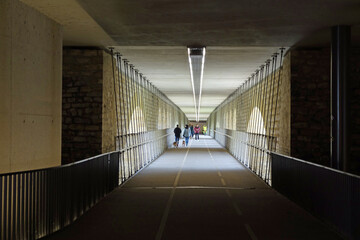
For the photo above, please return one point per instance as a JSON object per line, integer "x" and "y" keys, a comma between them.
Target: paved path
{"x": 200, "y": 192}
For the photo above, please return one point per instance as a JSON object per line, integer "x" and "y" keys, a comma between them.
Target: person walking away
{"x": 192, "y": 130}
{"x": 204, "y": 130}
{"x": 186, "y": 134}
{"x": 197, "y": 131}
{"x": 177, "y": 132}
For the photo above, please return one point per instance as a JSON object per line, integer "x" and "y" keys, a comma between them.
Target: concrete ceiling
{"x": 239, "y": 36}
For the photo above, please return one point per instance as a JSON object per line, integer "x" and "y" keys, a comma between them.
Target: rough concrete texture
{"x": 79, "y": 28}
{"x": 30, "y": 72}
{"x": 236, "y": 23}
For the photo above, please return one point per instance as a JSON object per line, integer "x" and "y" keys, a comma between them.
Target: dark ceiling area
{"x": 222, "y": 23}
{"x": 239, "y": 36}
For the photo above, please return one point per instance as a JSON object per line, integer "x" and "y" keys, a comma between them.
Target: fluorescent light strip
{"x": 201, "y": 79}
{"x": 192, "y": 82}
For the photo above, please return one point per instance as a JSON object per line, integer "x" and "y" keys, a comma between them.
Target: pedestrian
{"x": 197, "y": 131}
{"x": 177, "y": 132}
{"x": 192, "y": 130}
{"x": 186, "y": 134}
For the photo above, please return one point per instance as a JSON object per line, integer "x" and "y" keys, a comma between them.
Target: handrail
{"x": 255, "y": 157}
{"x": 250, "y": 144}
{"x": 318, "y": 189}
{"x": 60, "y": 166}
{"x": 142, "y": 143}
{"x": 52, "y": 198}
{"x": 283, "y": 155}
{"x": 84, "y": 160}
{"x": 317, "y": 165}
{"x": 143, "y": 132}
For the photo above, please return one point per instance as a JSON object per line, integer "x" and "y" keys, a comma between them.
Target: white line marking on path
{"x": 168, "y": 205}
{"x": 223, "y": 182}
{"x": 237, "y": 209}
{"x": 228, "y": 193}
{"x": 251, "y": 232}
{"x": 218, "y": 171}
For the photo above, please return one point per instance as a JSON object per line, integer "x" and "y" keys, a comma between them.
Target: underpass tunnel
{"x": 91, "y": 93}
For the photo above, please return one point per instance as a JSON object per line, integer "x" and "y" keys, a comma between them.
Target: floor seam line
{"x": 169, "y": 203}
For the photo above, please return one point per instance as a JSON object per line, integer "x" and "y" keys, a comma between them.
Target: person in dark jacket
{"x": 186, "y": 134}
{"x": 177, "y": 132}
{"x": 192, "y": 130}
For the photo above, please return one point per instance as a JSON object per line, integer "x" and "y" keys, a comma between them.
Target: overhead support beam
{"x": 340, "y": 112}
{"x": 196, "y": 63}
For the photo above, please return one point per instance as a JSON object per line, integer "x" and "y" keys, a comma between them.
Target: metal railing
{"x": 332, "y": 195}
{"x": 251, "y": 149}
{"x": 36, "y": 203}
{"x": 151, "y": 145}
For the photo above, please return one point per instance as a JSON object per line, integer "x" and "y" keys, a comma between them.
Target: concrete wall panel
{"x": 5, "y": 100}
{"x": 30, "y": 73}
{"x": 5, "y": 19}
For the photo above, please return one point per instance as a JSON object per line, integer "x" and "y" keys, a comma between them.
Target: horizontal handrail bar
{"x": 296, "y": 159}
{"x": 135, "y": 133}
{"x": 329, "y": 194}
{"x": 247, "y": 143}
{"x": 57, "y": 167}
{"x": 84, "y": 160}
{"x": 142, "y": 143}
{"x": 317, "y": 165}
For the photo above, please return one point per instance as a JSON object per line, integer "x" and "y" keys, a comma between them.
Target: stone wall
{"x": 30, "y": 88}
{"x": 82, "y": 104}
{"x": 109, "y": 118}
{"x": 284, "y": 116}
{"x": 271, "y": 98}
{"x": 310, "y": 105}
{"x": 99, "y": 105}
{"x": 259, "y": 115}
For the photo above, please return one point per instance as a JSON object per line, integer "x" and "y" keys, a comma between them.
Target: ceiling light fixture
{"x": 196, "y": 62}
